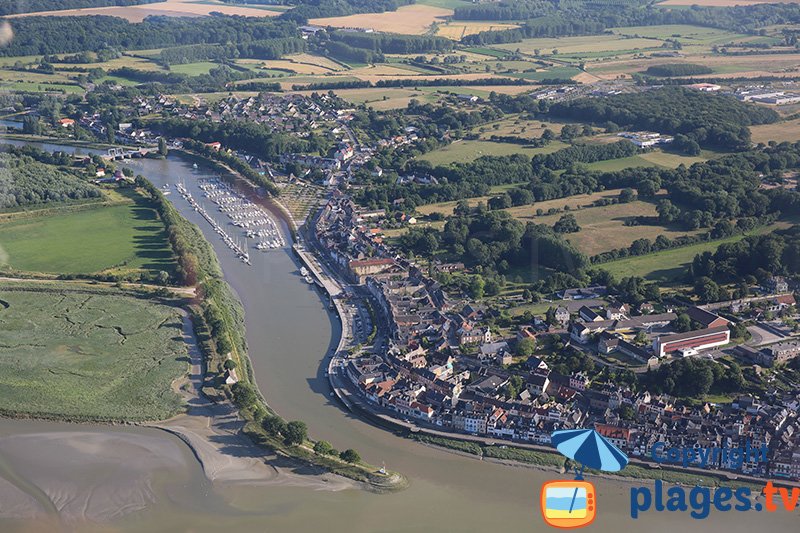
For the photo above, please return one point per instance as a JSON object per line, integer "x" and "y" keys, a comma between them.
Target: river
{"x": 289, "y": 329}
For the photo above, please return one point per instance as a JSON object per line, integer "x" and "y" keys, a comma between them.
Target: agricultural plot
{"x": 779, "y": 132}
{"x": 581, "y": 45}
{"x": 465, "y": 151}
{"x": 603, "y": 228}
{"x": 514, "y": 126}
{"x": 119, "y": 239}
{"x": 414, "y": 19}
{"x": 193, "y": 69}
{"x": 88, "y": 354}
{"x": 460, "y": 29}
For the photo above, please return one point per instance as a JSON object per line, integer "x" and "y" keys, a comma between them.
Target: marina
{"x": 242, "y": 213}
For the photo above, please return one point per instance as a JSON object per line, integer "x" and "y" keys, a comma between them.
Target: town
{"x": 448, "y": 367}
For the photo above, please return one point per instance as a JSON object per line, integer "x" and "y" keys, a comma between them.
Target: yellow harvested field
{"x": 382, "y": 70}
{"x": 723, "y": 3}
{"x": 415, "y": 19}
{"x": 169, "y": 8}
{"x": 457, "y": 30}
{"x": 299, "y": 68}
{"x": 314, "y": 60}
{"x": 470, "y": 76}
{"x": 780, "y": 131}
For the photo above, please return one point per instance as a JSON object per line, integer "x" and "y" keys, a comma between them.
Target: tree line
{"x": 553, "y": 18}
{"x": 309, "y": 9}
{"x": 757, "y": 256}
{"x": 267, "y": 49}
{"x": 495, "y": 241}
{"x": 59, "y": 35}
{"x": 254, "y": 138}
{"x": 677, "y": 69}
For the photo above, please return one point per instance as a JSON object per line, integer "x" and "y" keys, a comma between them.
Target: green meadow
{"x": 123, "y": 239}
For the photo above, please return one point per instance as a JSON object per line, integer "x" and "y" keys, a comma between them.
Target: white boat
{"x": 303, "y": 271}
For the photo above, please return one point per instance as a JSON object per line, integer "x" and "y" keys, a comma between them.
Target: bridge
{"x": 115, "y": 154}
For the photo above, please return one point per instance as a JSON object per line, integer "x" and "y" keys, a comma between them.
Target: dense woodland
{"x": 268, "y": 49}
{"x": 59, "y": 35}
{"x": 257, "y": 139}
{"x": 308, "y": 9}
{"x": 708, "y": 119}
{"x": 552, "y": 18}
{"x": 758, "y": 257}
{"x": 496, "y": 242}
{"x": 678, "y": 69}
{"x": 27, "y": 182}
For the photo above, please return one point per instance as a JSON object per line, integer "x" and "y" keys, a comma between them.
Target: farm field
{"x": 518, "y": 127}
{"x": 465, "y": 151}
{"x": 168, "y": 8}
{"x": 780, "y": 131}
{"x": 723, "y": 66}
{"x": 88, "y": 354}
{"x": 649, "y": 159}
{"x": 193, "y": 69}
{"x": 124, "y": 239}
{"x": 683, "y": 33}
{"x": 414, "y": 19}
{"x": 459, "y": 29}
{"x": 581, "y": 45}
{"x": 447, "y": 208}
{"x": 603, "y": 228}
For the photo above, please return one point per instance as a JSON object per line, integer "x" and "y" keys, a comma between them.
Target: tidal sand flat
{"x": 85, "y": 474}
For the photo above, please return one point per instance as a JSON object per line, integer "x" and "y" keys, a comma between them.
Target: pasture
{"x": 668, "y": 266}
{"x": 88, "y": 354}
{"x": 193, "y": 69}
{"x": 603, "y": 228}
{"x": 584, "y": 45}
{"x": 121, "y": 239}
{"x": 780, "y": 131}
{"x": 465, "y": 151}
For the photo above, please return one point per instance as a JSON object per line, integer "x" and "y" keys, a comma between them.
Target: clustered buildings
{"x": 426, "y": 376}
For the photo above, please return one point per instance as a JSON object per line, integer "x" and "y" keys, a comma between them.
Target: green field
{"x": 603, "y": 228}
{"x": 124, "y": 239}
{"x": 669, "y": 265}
{"x": 88, "y": 354}
{"x": 465, "y": 151}
{"x": 193, "y": 69}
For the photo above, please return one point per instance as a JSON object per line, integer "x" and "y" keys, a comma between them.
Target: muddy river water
{"x": 94, "y": 478}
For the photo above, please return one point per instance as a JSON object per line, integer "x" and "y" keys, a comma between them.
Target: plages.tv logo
{"x": 572, "y": 503}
